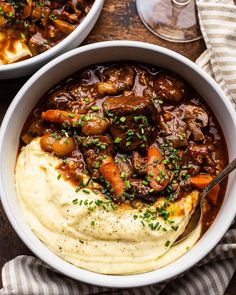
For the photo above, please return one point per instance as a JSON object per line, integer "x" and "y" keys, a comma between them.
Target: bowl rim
{"x": 50, "y": 53}
{"x": 57, "y": 263}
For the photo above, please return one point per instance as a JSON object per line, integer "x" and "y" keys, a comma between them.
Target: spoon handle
{"x": 225, "y": 172}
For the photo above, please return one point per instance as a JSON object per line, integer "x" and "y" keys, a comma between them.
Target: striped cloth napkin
{"x": 218, "y": 25}
{"x": 29, "y": 276}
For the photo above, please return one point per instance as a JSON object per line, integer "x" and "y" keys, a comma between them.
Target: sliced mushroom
{"x": 95, "y": 126}
{"x": 27, "y": 9}
{"x": 63, "y": 26}
{"x": 60, "y": 146}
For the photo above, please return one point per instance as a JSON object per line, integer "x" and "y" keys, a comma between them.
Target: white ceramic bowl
{"x": 28, "y": 66}
{"x": 67, "y": 64}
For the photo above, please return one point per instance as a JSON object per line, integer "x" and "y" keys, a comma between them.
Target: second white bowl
{"x": 28, "y": 66}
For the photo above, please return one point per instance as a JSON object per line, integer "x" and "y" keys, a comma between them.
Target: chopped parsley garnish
{"x": 70, "y": 115}
{"x": 175, "y": 228}
{"x": 167, "y": 244}
{"x": 127, "y": 184}
{"x": 75, "y": 201}
{"x": 118, "y": 140}
{"x": 123, "y": 175}
{"x": 95, "y": 108}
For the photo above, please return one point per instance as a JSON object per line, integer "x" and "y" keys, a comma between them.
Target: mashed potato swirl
{"x": 86, "y": 230}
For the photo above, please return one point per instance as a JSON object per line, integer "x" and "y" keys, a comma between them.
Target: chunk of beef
{"x": 193, "y": 169}
{"x": 94, "y": 148}
{"x": 198, "y": 152}
{"x": 139, "y": 163}
{"x": 82, "y": 105}
{"x": 124, "y": 165}
{"x": 173, "y": 126}
{"x": 179, "y": 135}
{"x": 131, "y": 138}
{"x": 196, "y": 119}
{"x": 116, "y": 80}
{"x": 71, "y": 11}
{"x": 139, "y": 190}
{"x": 209, "y": 169}
{"x": 37, "y": 44}
{"x": 50, "y": 32}
{"x": 131, "y": 116}
{"x": 77, "y": 91}
{"x": 120, "y": 138}
{"x": 195, "y": 130}
{"x": 129, "y": 105}
{"x": 61, "y": 99}
{"x": 169, "y": 87}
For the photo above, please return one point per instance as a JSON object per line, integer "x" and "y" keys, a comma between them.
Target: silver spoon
{"x": 196, "y": 218}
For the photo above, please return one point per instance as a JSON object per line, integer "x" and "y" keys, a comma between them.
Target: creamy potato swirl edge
{"x": 108, "y": 241}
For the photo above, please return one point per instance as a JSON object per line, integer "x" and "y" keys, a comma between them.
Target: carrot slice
{"x": 201, "y": 181}
{"x": 111, "y": 173}
{"x": 156, "y": 170}
{"x": 212, "y": 196}
{"x": 60, "y": 117}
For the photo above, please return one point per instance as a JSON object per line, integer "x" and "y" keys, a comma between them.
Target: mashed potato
{"x": 12, "y": 50}
{"x": 89, "y": 231}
